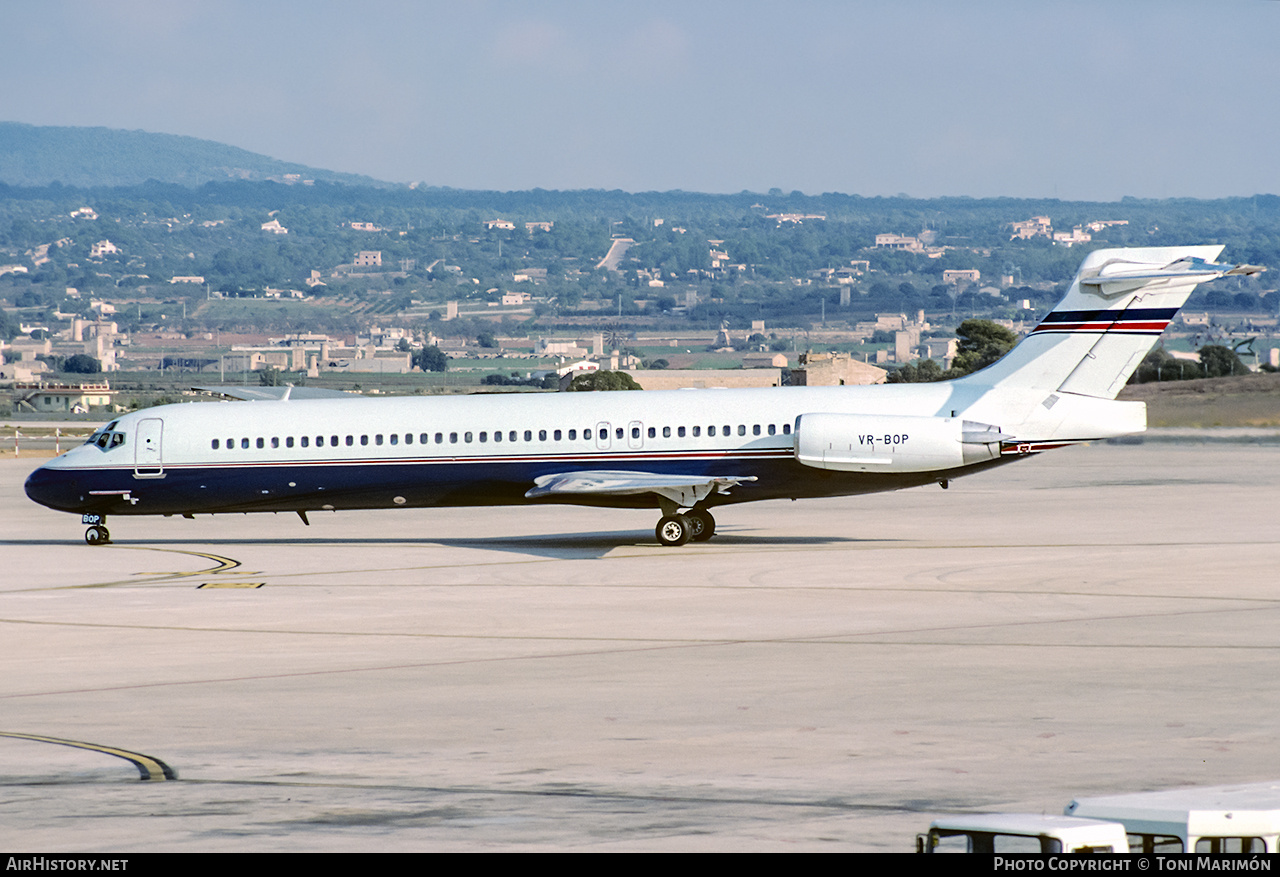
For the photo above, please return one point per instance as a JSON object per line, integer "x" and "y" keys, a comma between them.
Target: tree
{"x": 486, "y": 339}
{"x": 270, "y": 377}
{"x": 82, "y": 364}
{"x": 921, "y": 371}
{"x": 1219, "y": 361}
{"x": 1159, "y": 365}
{"x": 982, "y": 342}
{"x": 603, "y": 380}
{"x": 431, "y": 359}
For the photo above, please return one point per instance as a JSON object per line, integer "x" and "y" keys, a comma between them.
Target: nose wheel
{"x": 97, "y": 535}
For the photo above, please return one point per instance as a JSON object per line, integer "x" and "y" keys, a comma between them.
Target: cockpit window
{"x": 106, "y": 438}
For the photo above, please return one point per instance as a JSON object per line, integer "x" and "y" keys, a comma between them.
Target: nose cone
{"x": 55, "y": 488}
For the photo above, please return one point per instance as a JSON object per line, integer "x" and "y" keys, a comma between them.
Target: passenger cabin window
{"x": 244, "y": 443}
{"x": 215, "y": 444}
{"x": 288, "y": 441}
{"x": 306, "y": 440}
{"x": 1154, "y": 843}
{"x": 542, "y": 435}
{"x": 395, "y": 439}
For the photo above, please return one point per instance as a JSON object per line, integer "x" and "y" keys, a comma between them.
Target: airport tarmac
{"x": 823, "y": 675}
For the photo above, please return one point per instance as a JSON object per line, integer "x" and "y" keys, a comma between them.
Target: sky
{"x": 1071, "y": 99}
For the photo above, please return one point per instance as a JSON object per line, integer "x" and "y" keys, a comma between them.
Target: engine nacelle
{"x": 893, "y": 443}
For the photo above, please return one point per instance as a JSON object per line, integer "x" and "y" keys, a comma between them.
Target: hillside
{"x": 31, "y": 155}
{"x": 1251, "y": 400}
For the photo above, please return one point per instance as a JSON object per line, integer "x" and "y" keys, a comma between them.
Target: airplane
{"x": 682, "y": 452}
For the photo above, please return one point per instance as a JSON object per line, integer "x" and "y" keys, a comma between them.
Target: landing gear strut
{"x": 696, "y": 525}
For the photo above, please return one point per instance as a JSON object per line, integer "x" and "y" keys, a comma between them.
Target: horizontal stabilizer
{"x": 1120, "y": 275}
{"x": 684, "y": 490}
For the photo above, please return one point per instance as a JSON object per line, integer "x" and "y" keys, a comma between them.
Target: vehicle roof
{"x": 1068, "y": 828}
{"x": 1244, "y": 810}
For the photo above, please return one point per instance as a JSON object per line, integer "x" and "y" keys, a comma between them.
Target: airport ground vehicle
{"x": 1212, "y": 819}
{"x": 1022, "y": 833}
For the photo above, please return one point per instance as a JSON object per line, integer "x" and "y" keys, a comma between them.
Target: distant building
{"x": 1036, "y": 226}
{"x": 834, "y": 370}
{"x": 368, "y": 259}
{"x": 1076, "y": 236}
{"x": 531, "y": 227}
{"x": 961, "y": 275}
{"x": 72, "y": 398}
{"x": 764, "y": 360}
{"x": 102, "y": 248}
{"x": 191, "y": 278}
{"x": 1099, "y": 224}
{"x": 796, "y": 218}
{"x": 505, "y": 224}
{"x": 899, "y": 242}
{"x": 274, "y": 227}
{"x": 705, "y": 378}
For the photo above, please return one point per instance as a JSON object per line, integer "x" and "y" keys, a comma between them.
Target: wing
{"x": 684, "y": 490}
{"x": 260, "y": 394}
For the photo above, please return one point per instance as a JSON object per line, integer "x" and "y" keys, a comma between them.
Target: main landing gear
{"x": 695, "y": 525}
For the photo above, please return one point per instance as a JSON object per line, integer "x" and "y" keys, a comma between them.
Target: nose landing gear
{"x": 97, "y": 534}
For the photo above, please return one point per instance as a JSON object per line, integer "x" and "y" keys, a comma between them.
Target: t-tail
{"x": 1059, "y": 384}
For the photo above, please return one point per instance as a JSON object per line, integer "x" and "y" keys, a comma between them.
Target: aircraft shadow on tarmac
{"x": 557, "y": 545}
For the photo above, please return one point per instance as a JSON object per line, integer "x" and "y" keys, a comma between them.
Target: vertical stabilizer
{"x": 1117, "y": 306}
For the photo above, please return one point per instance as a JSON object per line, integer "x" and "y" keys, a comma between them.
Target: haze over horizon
{"x": 1084, "y": 100}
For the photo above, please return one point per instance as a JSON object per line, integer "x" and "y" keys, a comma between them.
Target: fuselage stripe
{"x": 577, "y": 458}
